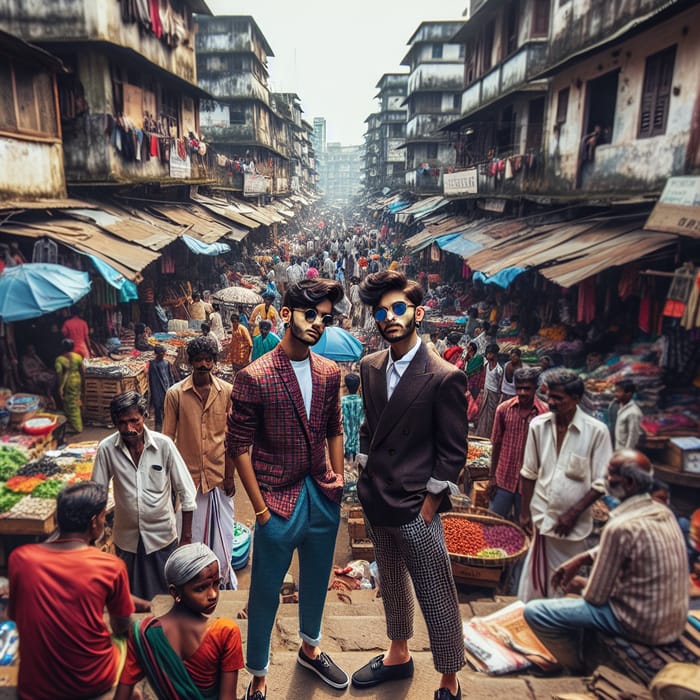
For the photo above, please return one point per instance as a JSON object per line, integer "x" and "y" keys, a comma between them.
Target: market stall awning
{"x": 200, "y": 248}
{"x": 565, "y": 253}
{"x": 422, "y": 208}
{"x": 199, "y": 223}
{"x": 440, "y": 226}
{"x": 130, "y": 228}
{"x": 127, "y": 258}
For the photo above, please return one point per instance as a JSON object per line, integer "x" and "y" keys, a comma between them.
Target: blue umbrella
{"x": 35, "y": 289}
{"x": 339, "y": 345}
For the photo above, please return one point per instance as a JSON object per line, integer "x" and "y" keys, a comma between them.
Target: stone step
{"x": 289, "y": 681}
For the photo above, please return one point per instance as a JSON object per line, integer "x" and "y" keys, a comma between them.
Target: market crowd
{"x": 281, "y": 426}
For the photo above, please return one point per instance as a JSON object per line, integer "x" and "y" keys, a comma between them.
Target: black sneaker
{"x": 257, "y": 695}
{"x": 445, "y": 694}
{"x": 325, "y": 668}
{"x": 375, "y": 672}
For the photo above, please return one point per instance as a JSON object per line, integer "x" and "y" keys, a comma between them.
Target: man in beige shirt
{"x": 198, "y": 309}
{"x": 195, "y": 415}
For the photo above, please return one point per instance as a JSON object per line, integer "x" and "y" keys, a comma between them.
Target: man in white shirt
{"x": 563, "y": 474}
{"x": 625, "y": 416}
{"x": 148, "y": 474}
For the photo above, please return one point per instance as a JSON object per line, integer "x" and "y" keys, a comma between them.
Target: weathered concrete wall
{"x": 61, "y": 21}
{"x": 238, "y": 85}
{"x": 426, "y": 124}
{"x": 31, "y": 170}
{"x": 433, "y": 76}
{"x": 627, "y": 163}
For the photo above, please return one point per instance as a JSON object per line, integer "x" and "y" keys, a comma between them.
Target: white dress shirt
{"x": 144, "y": 493}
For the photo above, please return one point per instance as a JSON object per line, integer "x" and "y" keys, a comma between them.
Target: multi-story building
{"x": 243, "y": 122}
{"x": 129, "y": 100}
{"x": 318, "y": 136}
{"x": 393, "y": 88}
{"x": 435, "y": 82}
{"x": 341, "y": 176}
{"x": 372, "y": 167}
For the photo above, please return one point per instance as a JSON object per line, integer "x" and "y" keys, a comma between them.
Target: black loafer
{"x": 375, "y": 672}
{"x": 257, "y": 695}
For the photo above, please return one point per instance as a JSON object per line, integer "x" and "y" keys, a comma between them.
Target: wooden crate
{"x": 354, "y": 512}
{"x": 362, "y": 549}
{"x": 357, "y": 529}
{"x": 99, "y": 392}
{"x": 478, "y": 494}
{"x": 476, "y": 575}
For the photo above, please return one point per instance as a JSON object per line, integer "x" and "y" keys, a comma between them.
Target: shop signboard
{"x": 678, "y": 208}
{"x": 395, "y": 154}
{"x": 463, "y": 182}
{"x": 254, "y": 184}
{"x": 497, "y": 205}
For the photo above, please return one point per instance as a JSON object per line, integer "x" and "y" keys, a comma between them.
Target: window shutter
{"x": 656, "y": 93}
{"x": 540, "y": 20}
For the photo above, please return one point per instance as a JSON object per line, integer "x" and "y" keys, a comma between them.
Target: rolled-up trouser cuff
{"x": 313, "y": 641}
{"x": 256, "y": 672}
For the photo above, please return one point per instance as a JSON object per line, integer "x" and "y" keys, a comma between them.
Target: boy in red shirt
{"x": 58, "y": 593}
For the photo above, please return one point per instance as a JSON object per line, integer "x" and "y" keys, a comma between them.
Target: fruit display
{"x": 472, "y": 538}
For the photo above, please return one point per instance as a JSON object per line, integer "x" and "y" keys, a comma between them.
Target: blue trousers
{"x": 311, "y": 530}
{"x": 559, "y": 623}
{"x": 504, "y": 503}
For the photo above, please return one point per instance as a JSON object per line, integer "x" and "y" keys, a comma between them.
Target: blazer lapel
{"x": 291, "y": 386}
{"x": 375, "y": 392}
{"x": 412, "y": 383}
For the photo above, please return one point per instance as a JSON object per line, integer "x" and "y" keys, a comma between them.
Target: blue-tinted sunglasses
{"x": 398, "y": 308}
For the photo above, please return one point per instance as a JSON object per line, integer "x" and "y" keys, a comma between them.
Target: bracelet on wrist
{"x": 260, "y": 512}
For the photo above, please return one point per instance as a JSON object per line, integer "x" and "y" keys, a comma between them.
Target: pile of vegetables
{"x": 24, "y": 484}
{"x": 475, "y": 539}
{"x": 11, "y": 459}
{"x": 44, "y": 466}
{"x": 48, "y": 489}
{"x": 8, "y": 499}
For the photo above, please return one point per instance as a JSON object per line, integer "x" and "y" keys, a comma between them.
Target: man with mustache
{"x": 638, "y": 587}
{"x": 286, "y": 406}
{"x": 194, "y": 417}
{"x": 413, "y": 445}
{"x": 149, "y": 475}
{"x": 563, "y": 475}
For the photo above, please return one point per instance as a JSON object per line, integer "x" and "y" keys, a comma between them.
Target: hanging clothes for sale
{"x": 679, "y": 291}
{"x": 691, "y": 316}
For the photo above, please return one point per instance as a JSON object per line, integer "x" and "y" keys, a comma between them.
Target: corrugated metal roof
{"x": 199, "y": 222}
{"x": 127, "y": 258}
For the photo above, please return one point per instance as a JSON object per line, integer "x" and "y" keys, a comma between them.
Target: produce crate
{"x": 357, "y": 529}
{"x": 99, "y": 392}
{"x": 362, "y": 549}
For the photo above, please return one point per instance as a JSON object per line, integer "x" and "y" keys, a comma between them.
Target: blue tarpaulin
{"x": 502, "y": 279}
{"x": 455, "y": 243}
{"x": 205, "y": 248}
{"x": 127, "y": 289}
{"x": 398, "y": 206}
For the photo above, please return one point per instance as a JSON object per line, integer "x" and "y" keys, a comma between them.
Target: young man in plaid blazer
{"x": 286, "y": 406}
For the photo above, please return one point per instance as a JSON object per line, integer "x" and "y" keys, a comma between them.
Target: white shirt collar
{"x": 402, "y": 363}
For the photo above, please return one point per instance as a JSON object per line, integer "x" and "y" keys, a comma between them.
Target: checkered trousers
{"x": 418, "y": 551}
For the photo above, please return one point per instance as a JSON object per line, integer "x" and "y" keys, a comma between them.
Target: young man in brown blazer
{"x": 413, "y": 444}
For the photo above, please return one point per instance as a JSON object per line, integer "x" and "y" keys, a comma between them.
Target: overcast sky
{"x": 333, "y": 52}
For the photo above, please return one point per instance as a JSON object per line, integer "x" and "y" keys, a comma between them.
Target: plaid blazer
{"x": 268, "y": 413}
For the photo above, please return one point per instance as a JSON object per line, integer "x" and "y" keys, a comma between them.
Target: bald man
{"x": 638, "y": 587}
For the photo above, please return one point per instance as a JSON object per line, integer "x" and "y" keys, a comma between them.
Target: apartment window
{"x": 431, "y": 151}
{"x": 456, "y": 102}
{"x": 562, "y": 105}
{"x": 656, "y": 93}
{"x": 461, "y": 50}
{"x": 487, "y": 47}
{"x": 27, "y": 105}
{"x": 236, "y": 116}
{"x": 437, "y": 50}
{"x": 511, "y": 27}
{"x": 540, "y": 18}
{"x": 535, "y": 121}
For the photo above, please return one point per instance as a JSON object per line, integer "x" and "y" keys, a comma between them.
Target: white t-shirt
{"x": 302, "y": 370}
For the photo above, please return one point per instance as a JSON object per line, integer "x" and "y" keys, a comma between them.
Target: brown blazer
{"x": 420, "y": 433}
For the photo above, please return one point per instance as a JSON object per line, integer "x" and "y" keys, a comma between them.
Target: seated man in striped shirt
{"x": 638, "y": 587}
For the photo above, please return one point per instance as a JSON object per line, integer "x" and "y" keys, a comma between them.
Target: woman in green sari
{"x": 69, "y": 368}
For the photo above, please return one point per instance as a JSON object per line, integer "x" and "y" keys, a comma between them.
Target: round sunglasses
{"x": 398, "y": 308}
{"x": 311, "y": 315}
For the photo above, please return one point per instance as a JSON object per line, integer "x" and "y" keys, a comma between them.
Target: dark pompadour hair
{"x": 307, "y": 294}
{"x": 376, "y": 285}
{"x": 76, "y": 504}
{"x": 202, "y": 344}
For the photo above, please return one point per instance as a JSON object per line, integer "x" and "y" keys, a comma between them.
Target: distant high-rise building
{"x": 318, "y": 136}
{"x": 340, "y": 177}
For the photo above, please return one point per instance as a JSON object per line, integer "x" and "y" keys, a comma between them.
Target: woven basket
{"x": 491, "y": 519}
